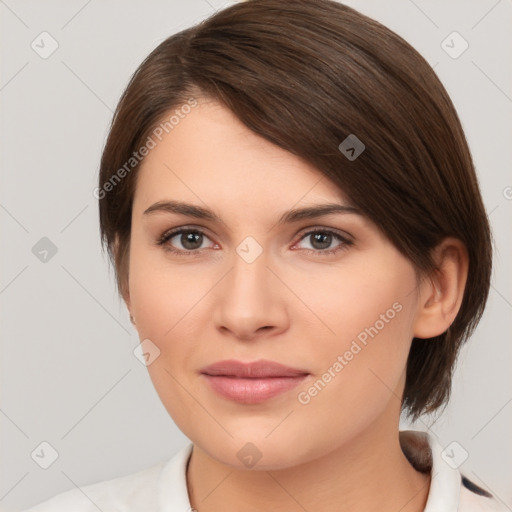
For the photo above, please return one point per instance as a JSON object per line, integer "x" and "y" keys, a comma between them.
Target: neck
{"x": 368, "y": 473}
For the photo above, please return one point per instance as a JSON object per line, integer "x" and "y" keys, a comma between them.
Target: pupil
{"x": 190, "y": 240}
{"x": 321, "y": 240}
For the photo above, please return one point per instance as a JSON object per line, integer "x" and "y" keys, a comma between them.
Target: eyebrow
{"x": 294, "y": 215}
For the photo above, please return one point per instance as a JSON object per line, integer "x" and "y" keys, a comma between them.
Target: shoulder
{"x": 475, "y": 499}
{"x": 449, "y": 488}
{"x": 163, "y": 484}
{"x": 138, "y": 490}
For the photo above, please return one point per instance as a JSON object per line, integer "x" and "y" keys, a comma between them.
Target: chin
{"x": 256, "y": 451}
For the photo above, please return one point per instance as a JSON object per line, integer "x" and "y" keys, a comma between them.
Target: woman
{"x": 297, "y": 230}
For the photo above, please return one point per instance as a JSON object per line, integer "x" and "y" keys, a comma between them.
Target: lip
{"x": 254, "y": 382}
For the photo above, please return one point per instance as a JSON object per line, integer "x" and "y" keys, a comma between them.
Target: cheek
{"x": 367, "y": 318}
{"x": 162, "y": 296}
{"x": 358, "y": 301}
{"x": 357, "y": 381}
{"x": 164, "y": 303}
{"x": 169, "y": 303}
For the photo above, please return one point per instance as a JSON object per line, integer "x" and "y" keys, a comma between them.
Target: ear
{"x": 126, "y": 298}
{"x": 125, "y": 292}
{"x": 441, "y": 294}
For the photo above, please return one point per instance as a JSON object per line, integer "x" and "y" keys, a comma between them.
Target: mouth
{"x": 251, "y": 383}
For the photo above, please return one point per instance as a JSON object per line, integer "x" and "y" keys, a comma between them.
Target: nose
{"x": 250, "y": 301}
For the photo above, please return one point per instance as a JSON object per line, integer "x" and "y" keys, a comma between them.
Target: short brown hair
{"x": 306, "y": 74}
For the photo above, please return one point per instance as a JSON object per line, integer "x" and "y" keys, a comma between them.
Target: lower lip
{"x": 252, "y": 391}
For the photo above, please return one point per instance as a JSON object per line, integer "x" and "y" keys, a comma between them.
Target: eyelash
{"x": 167, "y": 235}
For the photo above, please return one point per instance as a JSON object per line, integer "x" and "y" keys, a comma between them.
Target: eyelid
{"x": 324, "y": 229}
{"x": 344, "y": 238}
{"x": 302, "y": 232}
{"x": 171, "y": 233}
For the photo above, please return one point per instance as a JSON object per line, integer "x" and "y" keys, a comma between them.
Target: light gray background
{"x": 68, "y": 373}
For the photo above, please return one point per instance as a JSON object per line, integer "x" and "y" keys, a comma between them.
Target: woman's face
{"x": 326, "y": 295}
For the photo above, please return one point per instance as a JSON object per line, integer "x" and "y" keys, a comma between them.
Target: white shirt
{"x": 163, "y": 487}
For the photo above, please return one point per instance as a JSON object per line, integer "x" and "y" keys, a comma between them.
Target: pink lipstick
{"x": 252, "y": 383}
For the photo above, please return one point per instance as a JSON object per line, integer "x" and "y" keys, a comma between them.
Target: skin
{"x": 293, "y": 304}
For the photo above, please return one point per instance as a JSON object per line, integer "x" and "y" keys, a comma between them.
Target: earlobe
{"x": 123, "y": 284}
{"x": 441, "y": 293}
{"x": 126, "y": 298}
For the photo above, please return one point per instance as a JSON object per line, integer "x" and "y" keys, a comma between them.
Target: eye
{"x": 190, "y": 240}
{"x": 193, "y": 240}
{"x": 321, "y": 241}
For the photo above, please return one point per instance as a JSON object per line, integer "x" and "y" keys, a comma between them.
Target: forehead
{"x": 211, "y": 156}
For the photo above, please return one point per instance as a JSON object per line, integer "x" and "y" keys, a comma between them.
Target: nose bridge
{"x": 247, "y": 299}
{"x": 249, "y": 274}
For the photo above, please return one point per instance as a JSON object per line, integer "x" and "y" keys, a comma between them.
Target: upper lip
{"x": 256, "y": 369}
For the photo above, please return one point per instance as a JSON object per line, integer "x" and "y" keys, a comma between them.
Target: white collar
{"x": 172, "y": 484}
{"x": 424, "y": 453}
{"x": 422, "y": 450}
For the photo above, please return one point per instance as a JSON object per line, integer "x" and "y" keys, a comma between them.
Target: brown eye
{"x": 323, "y": 241}
{"x": 183, "y": 241}
{"x": 190, "y": 240}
